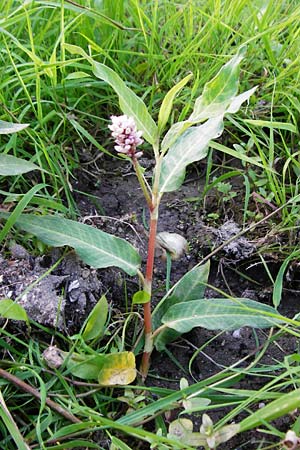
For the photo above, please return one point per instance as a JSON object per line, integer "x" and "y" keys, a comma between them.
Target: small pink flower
{"x": 126, "y": 136}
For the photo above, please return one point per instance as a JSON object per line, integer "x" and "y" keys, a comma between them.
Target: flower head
{"x": 126, "y": 135}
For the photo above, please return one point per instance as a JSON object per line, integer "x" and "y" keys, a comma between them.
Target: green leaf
{"x": 83, "y": 132}
{"x": 8, "y": 127}
{"x": 130, "y": 103}
{"x": 96, "y": 248}
{"x": 191, "y": 146}
{"x": 220, "y": 314}
{"x": 83, "y": 366}
{"x": 167, "y": 103}
{"x": 219, "y": 92}
{"x": 11, "y": 426}
{"x": 117, "y": 444}
{"x": 96, "y": 320}
{"x": 278, "y": 285}
{"x": 77, "y": 75}
{"x": 140, "y": 297}
{"x": 287, "y": 403}
{"x": 272, "y": 125}
{"x": 77, "y": 443}
{"x": 118, "y": 368}
{"x": 190, "y": 287}
{"x": 13, "y": 216}
{"x": 239, "y": 155}
{"x": 11, "y": 165}
{"x": 11, "y": 310}
{"x": 218, "y": 98}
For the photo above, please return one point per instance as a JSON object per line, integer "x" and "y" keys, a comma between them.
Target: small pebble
{"x": 237, "y": 334}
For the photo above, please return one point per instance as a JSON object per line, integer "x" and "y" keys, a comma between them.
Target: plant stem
{"x": 148, "y": 288}
{"x": 143, "y": 183}
{"x": 35, "y": 393}
{"x": 153, "y": 200}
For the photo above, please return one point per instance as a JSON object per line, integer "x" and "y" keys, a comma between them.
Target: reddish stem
{"x": 148, "y": 288}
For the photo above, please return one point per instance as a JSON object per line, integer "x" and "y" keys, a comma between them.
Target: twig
{"x": 246, "y": 230}
{"x": 35, "y": 393}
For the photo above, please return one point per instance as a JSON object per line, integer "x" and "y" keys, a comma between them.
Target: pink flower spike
{"x": 126, "y": 136}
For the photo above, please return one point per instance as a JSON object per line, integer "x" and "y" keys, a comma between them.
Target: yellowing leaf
{"x": 118, "y": 368}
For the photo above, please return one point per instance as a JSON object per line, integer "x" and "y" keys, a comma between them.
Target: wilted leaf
{"x": 96, "y": 248}
{"x": 237, "y": 102}
{"x": 118, "y": 368}
{"x": 182, "y": 430}
{"x": 173, "y": 243}
{"x": 11, "y": 310}
{"x": 226, "y": 433}
{"x": 96, "y": 320}
{"x": 10, "y": 165}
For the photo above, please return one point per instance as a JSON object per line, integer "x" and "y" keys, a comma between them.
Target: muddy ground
{"x": 114, "y": 203}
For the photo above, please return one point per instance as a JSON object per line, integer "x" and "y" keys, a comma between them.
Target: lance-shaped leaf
{"x": 237, "y": 101}
{"x": 191, "y": 146}
{"x": 221, "y": 314}
{"x": 95, "y": 247}
{"x": 218, "y": 98}
{"x": 285, "y": 404}
{"x": 190, "y": 287}
{"x": 8, "y": 127}
{"x": 94, "y": 326}
{"x": 219, "y": 92}
{"x": 166, "y": 106}
{"x": 130, "y": 103}
{"x": 11, "y": 165}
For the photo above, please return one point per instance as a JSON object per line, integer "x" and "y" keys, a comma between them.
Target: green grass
{"x": 152, "y": 45}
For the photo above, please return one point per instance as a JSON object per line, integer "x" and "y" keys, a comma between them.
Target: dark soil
{"x": 115, "y": 204}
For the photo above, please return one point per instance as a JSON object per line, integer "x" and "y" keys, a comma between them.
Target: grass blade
{"x": 12, "y": 426}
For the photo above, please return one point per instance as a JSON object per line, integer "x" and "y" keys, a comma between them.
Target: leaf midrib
{"x": 125, "y": 262}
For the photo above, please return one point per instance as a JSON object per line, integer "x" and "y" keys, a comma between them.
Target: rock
{"x": 238, "y": 249}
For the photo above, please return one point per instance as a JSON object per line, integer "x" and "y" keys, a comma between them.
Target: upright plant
{"x": 185, "y": 142}
{"x": 183, "y": 307}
